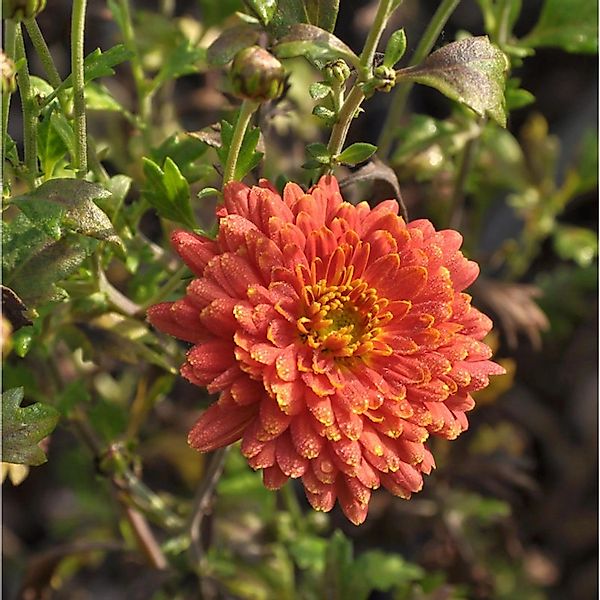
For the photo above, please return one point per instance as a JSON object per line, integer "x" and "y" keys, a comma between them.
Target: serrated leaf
{"x": 35, "y": 279}
{"x": 356, "y": 153}
{"x": 322, "y": 112}
{"x": 24, "y": 428}
{"x": 168, "y": 192}
{"x": 184, "y": 151}
{"x": 568, "y": 24}
{"x": 230, "y": 42}
{"x": 75, "y": 197}
{"x": 314, "y": 43}
{"x": 376, "y": 570}
{"x": 248, "y": 157}
{"x": 395, "y": 49}
{"x": 471, "y": 71}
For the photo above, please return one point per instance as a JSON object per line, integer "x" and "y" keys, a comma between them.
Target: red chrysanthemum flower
{"x": 338, "y": 338}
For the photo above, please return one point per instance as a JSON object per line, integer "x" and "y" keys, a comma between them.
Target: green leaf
{"x": 97, "y": 97}
{"x": 471, "y": 71}
{"x": 248, "y": 157}
{"x": 95, "y": 65}
{"x": 263, "y": 9}
{"x": 319, "y": 152}
{"x": 377, "y": 570}
{"x": 183, "y": 60}
{"x": 576, "y": 243}
{"x": 34, "y": 279}
{"x": 184, "y": 151}
{"x": 395, "y": 49}
{"x": 324, "y": 113}
{"x": 24, "y": 428}
{"x": 338, "y": 565}
{"x": 568, "y": 24}
{"x": 230, "y": 42}
{"x": 309, "y": 552}
{"x": 51, "y": 147}
{"x": 517, "y": 97}
{"x": 321, "y": 13}
{"x": 319, "y": 90}
{"x": 75, "y": 198}
{"x": 356, "y": 153}
{"x": 168, "y": 192}
{"x": 315, "y": 44}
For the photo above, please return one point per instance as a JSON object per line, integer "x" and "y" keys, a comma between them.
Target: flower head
{"x": 338, "y": 338}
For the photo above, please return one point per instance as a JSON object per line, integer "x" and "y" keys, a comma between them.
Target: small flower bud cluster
{"x": 385, "y": 78}
{"x": 17, "y": 10}
{"x": 336, "y": 70}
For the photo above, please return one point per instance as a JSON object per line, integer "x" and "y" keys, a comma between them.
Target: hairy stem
{"x": 29, "y": 107}
{"x": 458, "y": 194}
{"x": 9, "y": 49}
{"x": 439, "y": 19}
{"x": 246, "y": 111}
{"x": 142, "y": 88}
{"x": 77, "y": 56}
{"x": 39, "y": 43}
{"x": 502, "y": 29}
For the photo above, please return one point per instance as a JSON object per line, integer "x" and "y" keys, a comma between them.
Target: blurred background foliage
{"x": 510, "y": 512}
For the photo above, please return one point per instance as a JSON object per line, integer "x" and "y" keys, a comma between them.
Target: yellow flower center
{"x": 343, "y": 320}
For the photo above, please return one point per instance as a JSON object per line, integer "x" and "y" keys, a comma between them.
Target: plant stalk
{"x": 77, "y": 56}
{"x": 439, "y": 19}
{"x": 246, "y": 111}
{"x": 29, "y": 107}
{"x": 356, "y": 96}
{"x": 39, "y": 43}
{"x": 9, "y": 49}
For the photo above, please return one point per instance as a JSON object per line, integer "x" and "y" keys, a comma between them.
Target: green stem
{"x": 458, "y": 194}
{"x": 246, "y": 111}
{"x": 502, "y": 24}
{"x": 356, "y": 96}
{"x": 77, "y": 56}
{"x": 142, "y": 88}
{"x": 171, "y": 285}
{"x": 29, "y": 106}
{"x": 340, "y": 129}
{"x": 9, "y": 49}
{"x": 439, "y": 19}
{"x": 39, "y": 43}
{"x": 368, "y": 53}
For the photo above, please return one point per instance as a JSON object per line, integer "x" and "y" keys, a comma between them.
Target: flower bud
{"x": 385, "y": 78}
{"x": 257, "y": 75}
{"x": 7, "y": 71}
{"x": 17, "y": 10}
{"x": 336, "y": 70}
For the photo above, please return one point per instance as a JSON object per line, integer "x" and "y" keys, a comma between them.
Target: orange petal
{"x": 219, "y": 426}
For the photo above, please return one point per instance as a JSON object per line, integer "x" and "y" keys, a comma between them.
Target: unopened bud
{"x": 7, "y": 71}
{"x": 385, "y": 78}
{"x": 257, "y": 75}
{"x": 17, "y": 10}
{"x": 336, "y": 70}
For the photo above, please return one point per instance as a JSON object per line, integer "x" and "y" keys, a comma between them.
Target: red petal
{"x": 220, "y": 426}
{"x": 194, "y": 249}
